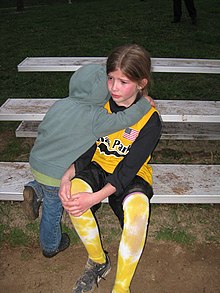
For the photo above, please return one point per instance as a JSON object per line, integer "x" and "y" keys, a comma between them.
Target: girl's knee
{"x": 136, "y": 209}
{"x": 137, "y": 201}
{"x": 79, "y": 185}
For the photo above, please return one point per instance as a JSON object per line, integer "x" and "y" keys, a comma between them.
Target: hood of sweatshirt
{"x": 88, "y": 85}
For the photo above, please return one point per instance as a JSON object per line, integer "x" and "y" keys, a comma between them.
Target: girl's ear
{"x": 143, "y": 83}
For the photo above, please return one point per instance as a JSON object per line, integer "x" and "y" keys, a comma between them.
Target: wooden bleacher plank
{"x": 186, "y": 183}
{"x": 13, "y": 177}
{"x": 170, "y": 110}
{"x": 183, "y": 65}
{"x": 189, "y": 111}
{"x": 172, "y": 131}
{"x": 191, "y": 131}
{"x": 25, "y": 109}
{"x": 27, "y": 129}
{"x": 172, "y": 183}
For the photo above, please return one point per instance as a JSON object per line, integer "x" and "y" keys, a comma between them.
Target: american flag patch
{"x": 130, "y": 134}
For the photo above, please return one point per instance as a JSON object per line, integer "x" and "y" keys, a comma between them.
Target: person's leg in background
{"x": 191, "y": 10}
{"x": 177, "y": 11}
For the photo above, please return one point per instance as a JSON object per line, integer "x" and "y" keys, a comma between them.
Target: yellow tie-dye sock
{"x": 86, "y": 226}
{"x": 136, "y": 214}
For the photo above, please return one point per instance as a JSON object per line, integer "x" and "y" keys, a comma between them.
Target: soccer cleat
{"x": 64, "y": 244}
{"x": 31, "y": 203}
{"x": 91, "y": 276}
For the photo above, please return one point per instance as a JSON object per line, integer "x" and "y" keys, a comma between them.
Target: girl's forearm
{"x": 103, "y": 193}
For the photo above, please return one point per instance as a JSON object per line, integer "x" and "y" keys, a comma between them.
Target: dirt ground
{"x": 164, "y": 268}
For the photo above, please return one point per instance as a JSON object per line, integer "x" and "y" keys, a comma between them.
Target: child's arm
{"x": 82, "y": 201}
{"x": 106, "y": 123}
{"x": 65, "y": 185}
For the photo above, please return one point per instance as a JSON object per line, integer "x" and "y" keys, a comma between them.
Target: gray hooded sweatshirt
{"x": 73, "y": 124}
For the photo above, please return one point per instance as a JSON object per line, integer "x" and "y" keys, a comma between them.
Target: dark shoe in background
{"x": 64, "y": 244}
{"x": 175, "y": 21}
{"x": 31, "y": 203}
{"x": 194, "y": 20}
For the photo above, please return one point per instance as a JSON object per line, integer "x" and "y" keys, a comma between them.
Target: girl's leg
{"x": 86, "y": 226}
{"x": 136, "y": 215}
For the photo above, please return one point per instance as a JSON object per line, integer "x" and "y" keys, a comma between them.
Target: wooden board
{"x": 181, "y": 65}
{"x": 172, "y": 183}
{"x": 171, "y": 131}
{"x": 25, "y": 109}
{"x": 170, "y": 110}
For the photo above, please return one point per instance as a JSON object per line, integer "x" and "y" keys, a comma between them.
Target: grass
{"x": 17, "y": 237}
{"x": 74, "y": 238}
{"x": 182, "y": 224}
{"x": 93, "y": 28}
{"x": 178, "y": 236}
{"x": 16, "y": 230}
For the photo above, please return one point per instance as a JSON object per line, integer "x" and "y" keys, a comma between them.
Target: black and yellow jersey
{"x": 127, "y": 152}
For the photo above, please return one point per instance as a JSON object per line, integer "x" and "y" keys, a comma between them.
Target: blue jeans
{"x": 52, "y": 210}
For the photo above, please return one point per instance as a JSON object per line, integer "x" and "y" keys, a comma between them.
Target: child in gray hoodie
{"x": 70, "y": 127}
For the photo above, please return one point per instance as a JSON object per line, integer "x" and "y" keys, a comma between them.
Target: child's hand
{"x": 151, "y": 101}
{"x": 65, "y": 185}
{"x": 65, "y": 190}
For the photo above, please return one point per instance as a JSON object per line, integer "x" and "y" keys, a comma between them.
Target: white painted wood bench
{"x": 187, "y": 183}
{"x": 171, "y": 131}
{"x": 170, "y": 110}
{"x": 181, "y": 65}
{"x": 193, "y": 119}
{"x": 173, "y": 184}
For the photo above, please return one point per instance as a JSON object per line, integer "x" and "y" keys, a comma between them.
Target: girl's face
{"x": 122, "y": 89}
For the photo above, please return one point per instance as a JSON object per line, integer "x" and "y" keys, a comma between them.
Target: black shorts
{"x": 95, "y": 176}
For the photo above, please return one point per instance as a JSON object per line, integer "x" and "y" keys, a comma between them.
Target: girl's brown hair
{"x": 134, "y": 62}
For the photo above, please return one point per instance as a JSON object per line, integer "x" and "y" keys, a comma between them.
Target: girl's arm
{"x": 83, "y": 201}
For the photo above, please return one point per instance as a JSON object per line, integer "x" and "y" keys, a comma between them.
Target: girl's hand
{"x": 79, "y": 203}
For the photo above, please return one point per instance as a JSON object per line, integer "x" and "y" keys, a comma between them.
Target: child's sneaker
{"x": 64, "y": 244}
{"x": 31, "y": 203}
{"x": 91, "y": 276}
